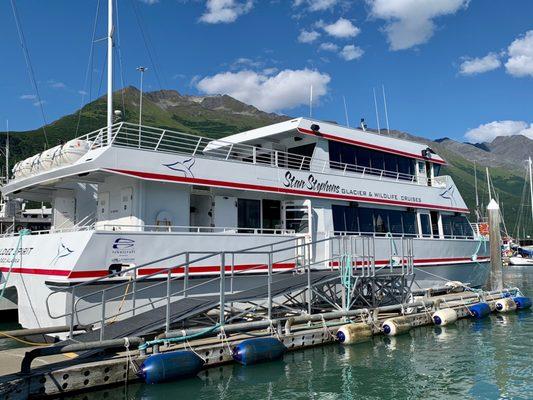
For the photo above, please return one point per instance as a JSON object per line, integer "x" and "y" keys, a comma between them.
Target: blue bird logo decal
{"x": 62, "y": 251}
{"x": 449, "y": 194}
{"x": 184, "y": 167}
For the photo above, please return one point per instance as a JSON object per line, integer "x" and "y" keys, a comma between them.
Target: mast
{"x": 488, "y": 183}
{"x": 346, "y": 112}
{"x": 376, "y": 107}
{"x": 477, "y": 195}
{"x": 386, "y": 111}
{"x": 530, "y": 185}
{"x": 109, "y": 71}
{"x": 7, "y": 150}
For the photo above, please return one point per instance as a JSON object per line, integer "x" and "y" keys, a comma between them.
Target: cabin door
{"x": 201, "y": 214}
{"x": 297, "y": 215}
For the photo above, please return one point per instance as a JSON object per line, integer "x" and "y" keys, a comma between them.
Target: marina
{"x": 294, "y": 255}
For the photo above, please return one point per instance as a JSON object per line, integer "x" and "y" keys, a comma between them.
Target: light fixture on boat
{"x": 363, "y": 124}
{"x": 427, "y": 152}
{"x": 118, "y": 115}
{"x": 315, "y": 128}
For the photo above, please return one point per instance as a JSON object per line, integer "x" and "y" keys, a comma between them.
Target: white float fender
{"x": 444, "y": 317}
{"x": 505, "y": 305}
{"x": 396, "y": 326}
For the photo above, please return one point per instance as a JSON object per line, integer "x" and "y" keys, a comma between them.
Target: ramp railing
{"x": 151, "y": 287}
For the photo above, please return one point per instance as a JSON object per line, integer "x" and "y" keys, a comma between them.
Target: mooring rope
{"x": 22, "y": 232}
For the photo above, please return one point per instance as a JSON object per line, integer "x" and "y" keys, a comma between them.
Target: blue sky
{"x": 450, "y": 67}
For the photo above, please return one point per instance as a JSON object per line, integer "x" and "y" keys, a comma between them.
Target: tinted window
{"x": 457, "y": 226}
{"x": 344, "y": 155}
{"x": 395, "y": 221}
{"x": 248, "y": 213}
{"x": 425, "y": 225}
{"x": 366, "y": 220}
{"x": 409, "y": 223}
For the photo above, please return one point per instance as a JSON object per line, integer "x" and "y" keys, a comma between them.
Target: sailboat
{"x": 523, "y": 256}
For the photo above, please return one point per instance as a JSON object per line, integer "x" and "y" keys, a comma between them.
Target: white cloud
{"x": 28, "y": 97}
{"x": 285, "y": 90}
{"x": 225, "y": 11}
{"x": 328, "y": 46}
{"x": 83, "y": 92}
{"x": 342, "y": 28}
{"x": 149, "y": 2}
{"x": 308, "y": 36}
{"x": 351, "y": 52}
{"x": 488, "y": 132}
{"x": 317, "y": 5}
{"x": 473, "y": 66}
{"x": 56, "y": 85}
{"x": 520, "y": 62}
{"x": 410, "y": 22}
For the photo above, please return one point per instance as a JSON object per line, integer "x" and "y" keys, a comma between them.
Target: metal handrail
{"x": 165, "y": 140}
{"x": 297, "y": 247}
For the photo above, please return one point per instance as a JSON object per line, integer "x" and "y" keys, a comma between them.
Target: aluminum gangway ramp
{"x": 180, "y": 309}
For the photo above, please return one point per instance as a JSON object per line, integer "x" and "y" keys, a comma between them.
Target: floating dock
{"x": 68, "y": 367}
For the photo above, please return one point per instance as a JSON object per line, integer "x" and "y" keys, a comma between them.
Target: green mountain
{"x": 218, "y": 116}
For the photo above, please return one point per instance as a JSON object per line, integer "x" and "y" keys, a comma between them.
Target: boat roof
{"x": 335, "y": 132}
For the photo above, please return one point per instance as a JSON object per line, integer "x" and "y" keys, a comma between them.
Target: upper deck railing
{"x": 168, "y": 141}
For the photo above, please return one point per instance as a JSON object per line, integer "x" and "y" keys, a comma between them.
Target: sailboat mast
{"x": 530, "y": 186}
{"x": 109, "y": 70}
{"x": 488, "y": 183}
{"x": 477, "y": 195}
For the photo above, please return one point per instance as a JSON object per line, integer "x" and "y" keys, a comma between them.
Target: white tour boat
{"x": 136, "y": 196}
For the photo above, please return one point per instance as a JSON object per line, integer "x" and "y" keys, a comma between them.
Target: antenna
{"x": 386, "y": 112}
{"x": 376, "y": 106}
{"x": 346, "y": 112}
{"x": 109, "y": 71}
{"x": 7, "y": 150}
{"x": 311, "y": 102}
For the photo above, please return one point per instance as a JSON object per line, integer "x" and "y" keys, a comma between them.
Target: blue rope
{"x": 23, "y": 232}
{"x": 346, "y": 277}
{"x": 180, "y": 339}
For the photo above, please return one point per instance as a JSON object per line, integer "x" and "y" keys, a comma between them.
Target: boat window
{"x": 300, "y": 157}
{"x": 375, "y": 161}
{"x": 271, "y": 215}
{"x": 395, "y": 221}
{"x": 345, "y": 218}
{"x": 435, "y": 223}
{"x": 349, "y": 219}
{"x": 297, "y": 218}
{"x": 248, "y": 214}
{"x": 436, "y": 169}
{"x": 425, "y": 225}
{"x": 380, "y": 221}
{"x": 409, "y": 223}
{"x": 457, "y": 226}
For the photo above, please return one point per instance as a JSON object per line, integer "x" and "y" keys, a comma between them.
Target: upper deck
{"x": 150, "y": 153}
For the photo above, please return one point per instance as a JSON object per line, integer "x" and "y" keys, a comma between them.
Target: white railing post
{"x": 159, "y": 141}
{"x": 254, "y": 154}
{"x": 222, "y": 287}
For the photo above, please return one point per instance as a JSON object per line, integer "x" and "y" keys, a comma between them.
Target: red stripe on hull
{"x": 215, "y": 268}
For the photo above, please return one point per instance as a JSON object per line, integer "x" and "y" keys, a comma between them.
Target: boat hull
{"x": 46, "y": 267}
